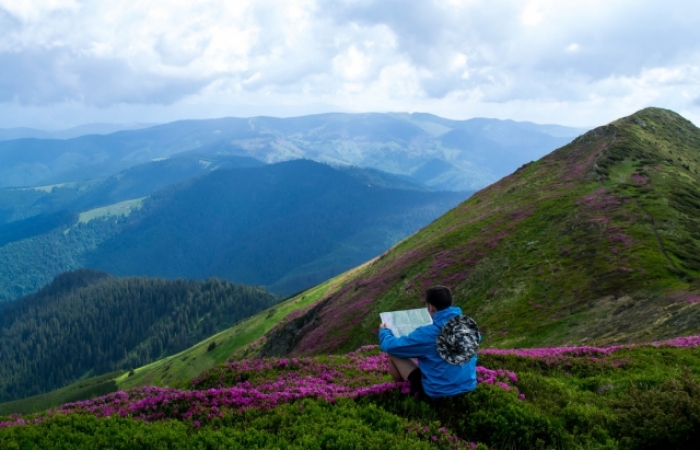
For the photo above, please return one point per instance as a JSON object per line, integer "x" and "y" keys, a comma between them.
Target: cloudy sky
{"x": 572, "y": 62}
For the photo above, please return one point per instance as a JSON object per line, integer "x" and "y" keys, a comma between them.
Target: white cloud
{"x": 533, "y": 14}
{"x": 352, "y": 64}
{"x": 29, "y": 10}
{"x": 574, "y": 62}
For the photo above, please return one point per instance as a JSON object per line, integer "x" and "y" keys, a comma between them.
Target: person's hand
{"x": 383, "y": 326}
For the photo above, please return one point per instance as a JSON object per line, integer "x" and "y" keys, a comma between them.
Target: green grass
{"x": 241, "y": 340}
{"x": 121, "y": 209}
{"x": 592, "y": 244}
{"x": 636, "y": 398}
{"x": 91, "y": 387}
{"x": 315, "y": 426}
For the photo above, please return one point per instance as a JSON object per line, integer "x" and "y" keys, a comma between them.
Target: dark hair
{"x": 439, "y": 296}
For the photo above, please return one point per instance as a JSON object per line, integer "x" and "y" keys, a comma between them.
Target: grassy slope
{"x": 234, "y": 342}
{"x": 118, "y": 209}
{"x": 88, "y": 388}
{"x": 595, "y": 243}
{"x": 562, "y": 251}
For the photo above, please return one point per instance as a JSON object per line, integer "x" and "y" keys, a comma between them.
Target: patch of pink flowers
{"x": 267, "y": 383}
{"x": 555, "y": 352}
{"x": 689, "y": 298}
{"x": 258, "y": 383}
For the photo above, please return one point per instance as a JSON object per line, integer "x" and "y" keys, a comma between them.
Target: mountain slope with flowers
{"x": 598, "y": 242}
{"x": 575, "y": 397}
{"x": 595, "y": 243}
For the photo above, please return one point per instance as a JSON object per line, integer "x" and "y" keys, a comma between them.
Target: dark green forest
{"x": 286, "y": 226}
{"x": 86, "y": 323}
{"x": 31, "y": 263}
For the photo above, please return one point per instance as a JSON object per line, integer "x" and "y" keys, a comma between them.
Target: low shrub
{"x": 583, "y": 398}
{"x": 665, "y": 416}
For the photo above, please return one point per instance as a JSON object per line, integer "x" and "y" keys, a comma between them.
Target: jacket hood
{"x": 446, "y": 314}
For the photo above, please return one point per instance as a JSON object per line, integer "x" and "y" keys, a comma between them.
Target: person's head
{"x": 438, "y": 297}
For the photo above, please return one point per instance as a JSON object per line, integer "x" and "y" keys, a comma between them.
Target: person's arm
{"x": 410, "y": 346}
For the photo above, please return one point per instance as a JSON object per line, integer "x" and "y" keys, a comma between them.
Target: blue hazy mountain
{"x": 17, "y": 204}
{"x": 68, "y": 133}
{"x": 444, "y": 154}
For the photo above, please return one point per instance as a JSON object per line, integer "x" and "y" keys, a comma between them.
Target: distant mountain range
{"x": 18, "y": 204}
{"x": 286, "y": 226}
{"x": 441, "y": 153}
{"x": 7, "y": 134}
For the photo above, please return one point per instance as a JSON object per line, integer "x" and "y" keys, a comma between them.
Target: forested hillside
{"x": 86, "y": 323}
{"x": 286, "y": 226}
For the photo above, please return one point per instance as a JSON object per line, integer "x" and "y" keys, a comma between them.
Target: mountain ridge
{"x": 293, "y": 203}
{"x": 7, "y": 134}
{"x": 570, "y": 242}
{"x": 389, "y": 142}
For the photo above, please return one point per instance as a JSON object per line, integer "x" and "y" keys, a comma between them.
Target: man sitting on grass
{"x": 445, "y": 350}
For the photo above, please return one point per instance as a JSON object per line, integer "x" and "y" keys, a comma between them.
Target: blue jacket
{"x": 440, "y": 378}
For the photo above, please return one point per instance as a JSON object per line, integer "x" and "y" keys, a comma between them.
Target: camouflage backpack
{"x": 458, "y": 340}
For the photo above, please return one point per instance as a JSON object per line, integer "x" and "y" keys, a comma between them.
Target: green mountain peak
{"x": 597, "y": 242}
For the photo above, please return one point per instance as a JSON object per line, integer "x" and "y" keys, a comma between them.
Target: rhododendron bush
{"x": 556, "y": 397}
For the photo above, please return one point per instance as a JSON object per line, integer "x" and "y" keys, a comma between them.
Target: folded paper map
{"x": 402, "y": 323}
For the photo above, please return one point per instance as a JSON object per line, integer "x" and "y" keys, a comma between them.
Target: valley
{"x": 286, "y": 226}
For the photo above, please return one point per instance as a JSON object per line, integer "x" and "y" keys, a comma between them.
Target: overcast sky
{"x": 571, "y": 62}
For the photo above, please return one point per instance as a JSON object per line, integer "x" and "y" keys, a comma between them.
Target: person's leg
{"x": 400, "y": 368}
